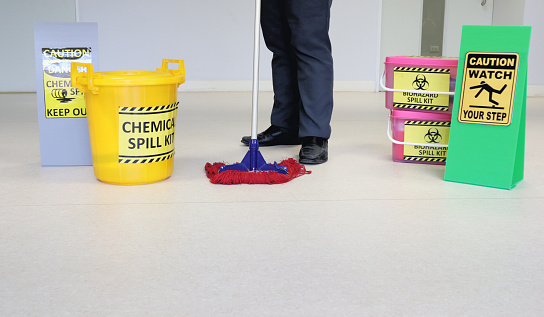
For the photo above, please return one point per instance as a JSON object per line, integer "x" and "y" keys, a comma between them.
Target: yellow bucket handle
{"x": 79, "y": 79}
{"x": 178, "y": 72}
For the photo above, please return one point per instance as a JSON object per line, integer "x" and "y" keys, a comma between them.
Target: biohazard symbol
{"x": 484, "y": 86}
{"x": 433, "y": 136}
{"x": 420, "y": 83}
{"x": 61, "y": 95}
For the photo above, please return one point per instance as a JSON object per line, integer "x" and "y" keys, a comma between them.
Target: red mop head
{"x": 294, "y": 170}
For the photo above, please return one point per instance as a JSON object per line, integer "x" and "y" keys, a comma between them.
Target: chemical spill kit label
{"x": 489, "y": 85}
{"x": 61, "y": 99}
{"x": 426, "y": 132}
{"x": 146, "y": 134}
{"x": 421, "y": 79}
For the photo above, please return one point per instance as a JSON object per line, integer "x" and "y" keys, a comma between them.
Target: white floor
{"x": 360, "y": 236}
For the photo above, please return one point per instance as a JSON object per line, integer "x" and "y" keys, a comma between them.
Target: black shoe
{"x": 315, "y": 150}
{"x": 273, "y": 136}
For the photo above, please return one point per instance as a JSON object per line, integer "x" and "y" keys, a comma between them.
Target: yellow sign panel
{"x": 489, "y": 85}
{"x": 61, "y": 99}
{"x": 146, "y": 134}
{"x": 421, "y": 79}
{"x": 426, "y": 132}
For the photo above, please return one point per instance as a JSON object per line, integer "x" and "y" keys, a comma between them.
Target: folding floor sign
{"x": 487, "y": 136}
{"x": 62, "y": 116}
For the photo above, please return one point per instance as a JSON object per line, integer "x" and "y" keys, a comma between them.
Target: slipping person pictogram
{"x": 485, "y": 86}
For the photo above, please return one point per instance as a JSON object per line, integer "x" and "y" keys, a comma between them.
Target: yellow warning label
{"x": 421, "y": 79}
{"x": 61, "y": 99}
{"x": 489, "y": 85}
{"x": 146, "y": 134}
{"x": 426, "y": 132}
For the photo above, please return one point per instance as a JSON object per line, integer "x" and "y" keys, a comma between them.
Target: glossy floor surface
{"x": 359, "y": 236}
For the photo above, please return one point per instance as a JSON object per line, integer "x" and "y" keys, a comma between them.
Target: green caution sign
{"x": 487, "y": 137}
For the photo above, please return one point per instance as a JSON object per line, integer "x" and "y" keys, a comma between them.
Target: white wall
{"x": 213, "y": 36}
{"x": 508, "y": 12}
{"x": 17, "y": 17}
{"x": 404, "y": 40}
{"x": 463, "y": 12}
{"x": 533, "y": 17}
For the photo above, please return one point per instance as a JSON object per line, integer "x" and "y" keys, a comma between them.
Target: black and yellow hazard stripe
{"x": 424, "y": 159}
{"x": 125, "y": 159}
{"x": 419, "y": 107}
{"x": 422, "y": 70}
{"x": 148, "y": 110}
{"x": 428, "y": 123}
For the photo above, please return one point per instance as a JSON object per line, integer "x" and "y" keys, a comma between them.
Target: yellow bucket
{"x": 132, "y": 119}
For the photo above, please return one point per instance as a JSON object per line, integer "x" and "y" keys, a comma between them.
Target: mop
{"x": 253, "y": 168}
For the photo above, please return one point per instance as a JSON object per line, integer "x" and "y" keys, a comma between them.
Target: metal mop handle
{"x": 254, "y": 161}
{"x": 256, "y": 52}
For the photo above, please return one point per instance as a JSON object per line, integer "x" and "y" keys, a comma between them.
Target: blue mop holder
{"x": 254, "y": 162}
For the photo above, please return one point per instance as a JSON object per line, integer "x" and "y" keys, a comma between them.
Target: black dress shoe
{"x": 315, "y": 150}
{"x": 273, "y": 136}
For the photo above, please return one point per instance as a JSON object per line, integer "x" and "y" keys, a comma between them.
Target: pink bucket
{"x": 419, "y": 137}
{"x": 420, "y": 83}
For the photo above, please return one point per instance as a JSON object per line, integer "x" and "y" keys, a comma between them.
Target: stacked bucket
{"x": 419, "y": 94}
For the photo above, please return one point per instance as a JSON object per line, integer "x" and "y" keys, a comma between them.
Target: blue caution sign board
{"x": 487, "y": 136}
{"x": 62, "y": 115}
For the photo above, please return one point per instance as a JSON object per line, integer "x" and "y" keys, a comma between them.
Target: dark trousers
{"x": 297, "y": 33}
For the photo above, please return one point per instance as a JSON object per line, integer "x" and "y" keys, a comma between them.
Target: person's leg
{"x": 277, "y": 36}
{"x": 308, "y": 22}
